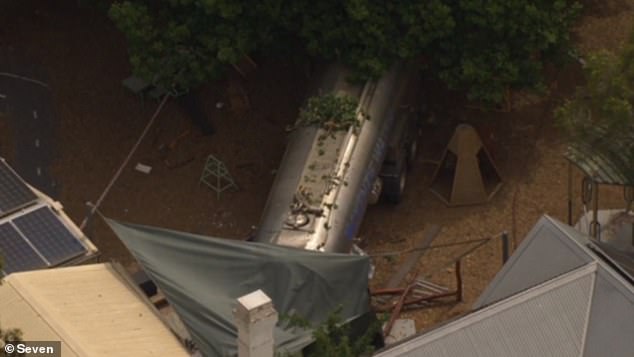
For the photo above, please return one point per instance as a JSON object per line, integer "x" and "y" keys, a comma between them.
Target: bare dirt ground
{"x": 99, "y": 121}
{"x": 529, "y": 154}
{"x": 85, "y": 59}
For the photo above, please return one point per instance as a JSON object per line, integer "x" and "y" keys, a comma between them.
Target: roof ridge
{"x": 506, "y": 304}
{"x": 586, "y": 325}
{"x": 545, "y": 222}
{"x": 590, "y": 247}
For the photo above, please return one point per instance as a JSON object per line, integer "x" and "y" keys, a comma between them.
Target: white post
{"x": 255, "y": 318}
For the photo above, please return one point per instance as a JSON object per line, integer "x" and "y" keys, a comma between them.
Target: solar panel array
{"x": 49, "y": 235}
{"x": 14, "y": 193}
{"x": 17, "y": 253}
{"x": 37, "y": 239}
{"x": 31, "y": 238}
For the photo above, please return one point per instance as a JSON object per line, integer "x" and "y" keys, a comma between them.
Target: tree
{"x": 10, "y": 335}
{"x": 369, "y": 35}
{"x": 600, "y": 116}
{"x": 333, "y": 337}
{"x": 183, "y": 43}
{"x": 482, "y": 46}
{"x": 501, "y": 44}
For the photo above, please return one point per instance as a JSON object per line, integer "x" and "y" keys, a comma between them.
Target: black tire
{"x": 412, "y": 149}
{"x": 393, "y": 187}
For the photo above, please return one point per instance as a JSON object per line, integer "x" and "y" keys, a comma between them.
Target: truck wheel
{"x": 412, "y": 149}
{"x": 393, "y": 187}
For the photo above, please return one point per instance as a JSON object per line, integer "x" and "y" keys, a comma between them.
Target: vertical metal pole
{"x": 505, "y": 247}
{"x": 628, "y": 195}
{"x": 569, "y": 193}
{"x": 88, "y": 222}
{"x": 458, "y": 281}
{"x": 594, "y": 226}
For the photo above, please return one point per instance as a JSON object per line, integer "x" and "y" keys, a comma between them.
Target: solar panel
{"x": 14, "y": 193}
{"x": 49, "y": 235}
{"x": 17, "y": 254}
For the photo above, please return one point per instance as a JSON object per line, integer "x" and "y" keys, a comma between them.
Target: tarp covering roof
{"x": 202, "y": 277}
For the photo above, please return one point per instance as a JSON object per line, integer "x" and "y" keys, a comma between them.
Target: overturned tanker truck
{"x": 326, "y": 179}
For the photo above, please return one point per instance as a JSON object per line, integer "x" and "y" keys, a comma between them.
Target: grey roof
{"x": 601, "y": 152}
{"x": 555, "y": 297}
{"x": 604, "y": 169}
{"x": 550, "y": 249}
{"x": 559, "y": 308}
{"x": 624, "y": 259}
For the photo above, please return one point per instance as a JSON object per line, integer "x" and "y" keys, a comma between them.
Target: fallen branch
{"x": 406, "y": 303}
{"x": 405, "y": 251}
{"x": 397, "y": 310}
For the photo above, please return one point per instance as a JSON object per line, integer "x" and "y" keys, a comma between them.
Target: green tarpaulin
{"x": 202, "y": 277}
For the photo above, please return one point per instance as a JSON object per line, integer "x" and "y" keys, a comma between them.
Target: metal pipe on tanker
{"x": 351, "y": 198}
{"x": 325, "y": 222}
{"x": 569, "y": 193}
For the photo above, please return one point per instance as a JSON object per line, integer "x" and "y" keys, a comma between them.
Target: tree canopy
{"x": 501, "y": 44}
{"x": 8, "y": 335}
{"x": 600, "y": 116}
{"x": 482, "y": 46}
{"x": 184, "y": 43}
{"x": 334, "y": 337}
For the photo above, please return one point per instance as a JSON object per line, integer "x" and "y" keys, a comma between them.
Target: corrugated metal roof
{"x": 548, "y": 320}
{"x": 92, "y": 309}
{"x": 545, "y": 253}
{"x": 605, "y": 166}
{"x": 611, "y": 324}
{"x": 15, "y": 312}
{"x": 604, "y": 151}
{"x": 624, "y": 259}
{"x": 533, "y": 307}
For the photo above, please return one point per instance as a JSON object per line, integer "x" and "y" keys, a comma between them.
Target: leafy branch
{"x": 10, "y": 335}
{"x": 331, "y": 113}
{"x": 333, "y": 337}
{"x": 599, "y": 119}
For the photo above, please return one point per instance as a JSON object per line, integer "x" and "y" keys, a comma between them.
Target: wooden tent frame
{"x": 466, "y": 173}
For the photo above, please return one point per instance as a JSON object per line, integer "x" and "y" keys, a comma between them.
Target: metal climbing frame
{"x": 598, "y": 170}
{"x": 216, "y": 176}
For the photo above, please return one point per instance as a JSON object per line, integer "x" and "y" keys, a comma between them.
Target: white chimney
{"x": 255, "y": 318}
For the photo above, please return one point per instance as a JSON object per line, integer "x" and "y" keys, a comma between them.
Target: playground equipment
{"x": 466, "y": 174}
{"x": 216, "y": 176}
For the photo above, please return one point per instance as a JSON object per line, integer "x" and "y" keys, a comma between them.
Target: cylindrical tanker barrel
{"x": 366, "y": 160}
{"x": 300, "y": 143}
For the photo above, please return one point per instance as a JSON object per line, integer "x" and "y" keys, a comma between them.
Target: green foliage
{"x": 11, "y": 335}
{"x": 332, "y": 337}
{"x": 484, "y": 47}
{"x": 600, "y": 115}
{"x": 501, "y": 44}
{"x": 99, "y": 5}
{"x": 183, "y": 43}
{"x": 368, "y": 35}
{"x": 330, "y": 112}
